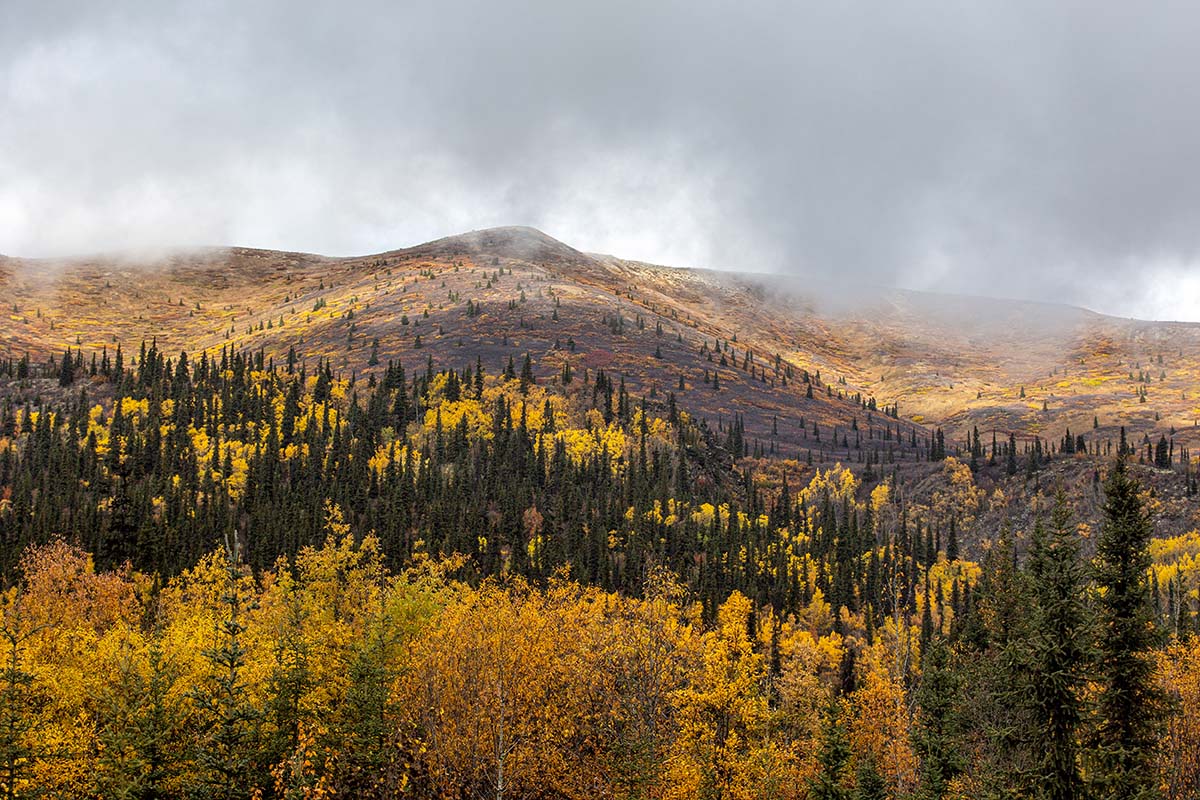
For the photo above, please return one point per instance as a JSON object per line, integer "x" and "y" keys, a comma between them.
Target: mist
{"x": 997, "y": 148}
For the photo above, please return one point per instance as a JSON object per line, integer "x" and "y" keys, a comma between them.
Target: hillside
{"x": 489, "y": 295}
{"x": 949, "y": 361}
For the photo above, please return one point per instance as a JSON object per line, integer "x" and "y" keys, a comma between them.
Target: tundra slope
{"x": 961, "y": 363}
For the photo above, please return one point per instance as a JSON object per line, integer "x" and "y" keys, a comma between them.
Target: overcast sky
{"x": 1028, "y": 149}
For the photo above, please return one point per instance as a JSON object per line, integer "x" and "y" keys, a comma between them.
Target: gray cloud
{"x": 1014, "y": 148}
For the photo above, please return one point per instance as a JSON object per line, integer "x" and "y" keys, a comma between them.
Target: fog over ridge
{"x": 1007, "y": 148}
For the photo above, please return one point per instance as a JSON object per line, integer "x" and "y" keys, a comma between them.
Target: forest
{"x": 226, "y": 577}
{"x": 561, "y": 401}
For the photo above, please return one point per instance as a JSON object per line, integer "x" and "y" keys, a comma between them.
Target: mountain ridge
{"x": 496, "y": 293}
{"x": 523, "y": 241}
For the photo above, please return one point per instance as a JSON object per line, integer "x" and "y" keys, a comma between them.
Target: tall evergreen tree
{"x": 66, "y": 373}
{"x": 952, "y": 541}
{"x": 527, "y": 378}
{"x": 371, "y": 768}
{"x": 833, "y": 759}
{"x": 1130, "y": 706}
{"x": 1059, "y": 654}
{"x": 227, "y": 745}
{"x": 868, "y": 783}
{"x": 140, "y": 729}
{"x": 938, "y": 734}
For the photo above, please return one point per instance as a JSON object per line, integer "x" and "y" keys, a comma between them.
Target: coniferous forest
{"x": 227, "y": 577}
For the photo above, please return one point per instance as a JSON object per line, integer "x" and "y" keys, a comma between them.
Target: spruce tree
{"x": 370, "y": 768}
{"x": 66, "y": 373}
{"x": 229, "y": 721}
{"x": 937, "y": 735}
{"x": 833, "y": 759}
{"x": 868, "y": 783}
{"x": 1059, "y": 653}
{"x": 1130, "y": 706}
{"x": 527, "y": 378}
{"x": 140, "y": 730}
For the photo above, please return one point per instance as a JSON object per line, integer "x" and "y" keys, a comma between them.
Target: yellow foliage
{"x": 582, "y": 444}
{"x": 479, "y": 422}
{"x": 1178, "y": 756}
{"x": 880, "y": 496}
{"x": 1177, "y": 556}
{"x": 960, "y": 498}
{"x": 879, "y": 725}
{"x": 131, "y": 407}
